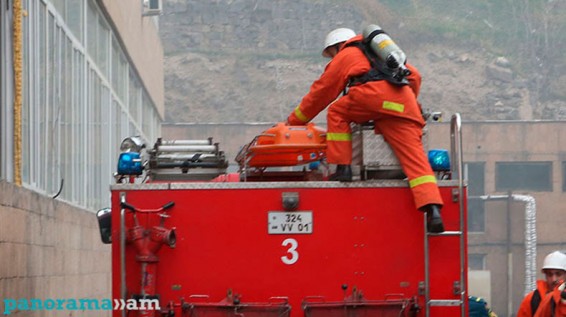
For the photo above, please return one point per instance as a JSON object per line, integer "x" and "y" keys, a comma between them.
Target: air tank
{"x": 384, "y": 47}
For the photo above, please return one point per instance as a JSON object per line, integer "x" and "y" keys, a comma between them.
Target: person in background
{"x": 554, "y": 303}
{"x": 393, "y": 108}
{"x": 554, "y": 269}
{"x": 478, "y": 307}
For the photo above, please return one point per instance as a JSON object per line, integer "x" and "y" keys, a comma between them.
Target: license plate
{"x": 282, "y": 222}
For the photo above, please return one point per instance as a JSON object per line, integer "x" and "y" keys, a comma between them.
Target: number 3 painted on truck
{"x": 292, "y": 251}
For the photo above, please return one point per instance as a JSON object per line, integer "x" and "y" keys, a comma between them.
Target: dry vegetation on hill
{"x": 250, "y": 61}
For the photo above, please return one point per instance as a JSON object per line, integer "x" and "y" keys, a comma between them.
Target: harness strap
{"x": 535, "y": 302}
{"x": 378, "y": 70}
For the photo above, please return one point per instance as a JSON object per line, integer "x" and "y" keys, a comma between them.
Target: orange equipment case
{"x": 283, "y": 145}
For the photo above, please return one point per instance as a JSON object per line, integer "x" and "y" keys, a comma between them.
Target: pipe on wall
{"x": 530, "y": 235}
{"x": 18, "y": 12}
{"x": 530, "y": 241}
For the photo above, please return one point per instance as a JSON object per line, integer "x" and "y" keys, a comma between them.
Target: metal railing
{"x": 456, "y": 169}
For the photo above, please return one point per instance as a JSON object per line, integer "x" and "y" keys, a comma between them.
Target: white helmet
{"x": 555, "y": 260}
{"x": 337, "y": 36}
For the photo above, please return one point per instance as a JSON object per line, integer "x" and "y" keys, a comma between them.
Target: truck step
{"x": 445, "y": 302}
{"x": 446, "y": 233}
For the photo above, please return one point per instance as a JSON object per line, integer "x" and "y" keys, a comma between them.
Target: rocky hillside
{"x": 253, "y": 60}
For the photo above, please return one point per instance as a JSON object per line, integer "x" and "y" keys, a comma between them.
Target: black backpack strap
{"x": 552, "y": 307}
{"x": 373, "y": 60}
{"x": 378, "y": 70}
{"x": 535, "y": 301}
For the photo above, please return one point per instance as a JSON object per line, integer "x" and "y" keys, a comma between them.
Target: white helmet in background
{"x": 337, "y": 36}
{"x": 555, "y": 261}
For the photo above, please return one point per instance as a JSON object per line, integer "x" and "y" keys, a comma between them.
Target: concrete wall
{"x": 49, "y": 249}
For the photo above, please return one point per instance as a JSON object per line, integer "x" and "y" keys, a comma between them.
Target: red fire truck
{"x": 281, "y": 241}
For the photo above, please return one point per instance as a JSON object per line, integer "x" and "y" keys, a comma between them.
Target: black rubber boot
{"x": 433, "y": 219}
{"x": 343, "y": 174}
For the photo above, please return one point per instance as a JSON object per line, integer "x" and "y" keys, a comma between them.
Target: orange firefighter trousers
{"x": 403, "y": 134}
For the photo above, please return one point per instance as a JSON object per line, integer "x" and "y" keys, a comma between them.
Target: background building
{"x": 76, "y": 77}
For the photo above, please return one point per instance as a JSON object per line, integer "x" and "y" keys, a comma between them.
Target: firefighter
{"x": 554, "y": 269}
{"x": 393, "y": 108}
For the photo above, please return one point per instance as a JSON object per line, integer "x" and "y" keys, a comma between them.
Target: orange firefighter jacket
{"x": 552, "y": 301}
{"x": 525, "y": 310}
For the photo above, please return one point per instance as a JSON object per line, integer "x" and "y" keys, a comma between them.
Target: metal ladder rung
{"x": 445, "y": 302}
{"x": 446, "y": 233}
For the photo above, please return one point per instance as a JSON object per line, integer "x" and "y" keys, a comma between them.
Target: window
{"x": 71, "y": 11}
{"x": 531, "y": 176}
{"x": 75, "y": 109}
{"x": 475, "y": 174}
{"x": 119, "y": 71}
{"x": 5, "y": 88}
{"x": 134, "y": 101}
{"x": 476, "y": 262}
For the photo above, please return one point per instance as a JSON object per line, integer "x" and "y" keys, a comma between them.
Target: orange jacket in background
{"x": 525, "y": 310}
{"x": 545, "y": 307}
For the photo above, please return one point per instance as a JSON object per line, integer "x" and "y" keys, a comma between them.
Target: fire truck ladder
{"x": 456, "y": 169}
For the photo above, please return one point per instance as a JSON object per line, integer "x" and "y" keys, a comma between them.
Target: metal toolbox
{"x": 372, "y": 157}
